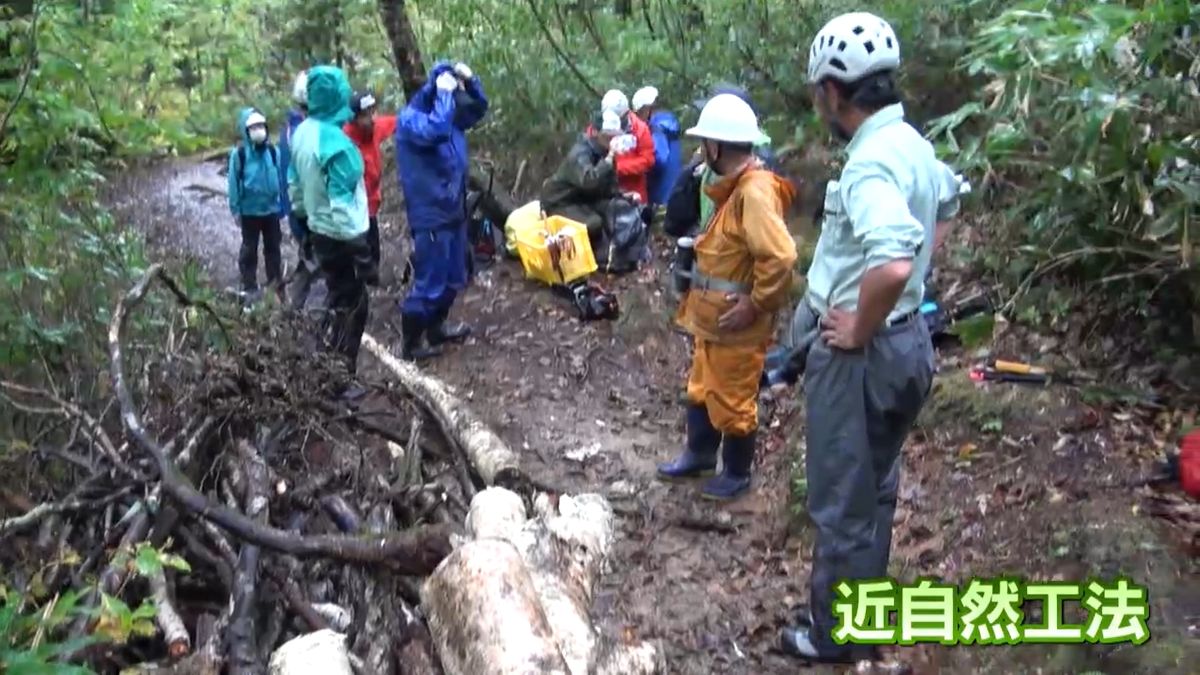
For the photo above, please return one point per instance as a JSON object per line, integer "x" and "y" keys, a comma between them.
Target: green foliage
{"x": 28, "y": 635}
{"x": 147, "y": 561}
{"x": 1088, "y": 124}
{"x": 118, "y": 622}
{"x": 546, "y": 62}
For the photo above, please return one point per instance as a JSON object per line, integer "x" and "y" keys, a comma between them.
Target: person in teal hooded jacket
{"x": 325, "y": 184}
{"x": 254, "y": 200}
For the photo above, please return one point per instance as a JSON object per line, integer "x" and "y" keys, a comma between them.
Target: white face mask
{"x": 258, "y": 134}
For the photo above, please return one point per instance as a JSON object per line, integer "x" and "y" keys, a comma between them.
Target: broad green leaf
{"x": 148, "y": 561}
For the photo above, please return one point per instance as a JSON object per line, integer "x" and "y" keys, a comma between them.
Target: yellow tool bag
{"x": 527, "y": 217}
{"x": 555, "y": 250}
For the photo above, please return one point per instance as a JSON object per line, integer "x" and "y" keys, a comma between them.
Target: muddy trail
{"x": 997, "y": 480}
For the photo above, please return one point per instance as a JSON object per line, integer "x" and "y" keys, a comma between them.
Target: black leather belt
{"x": 904, "y": 318}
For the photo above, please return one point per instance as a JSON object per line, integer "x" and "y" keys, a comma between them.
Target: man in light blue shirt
{"x": 869, "y": 363}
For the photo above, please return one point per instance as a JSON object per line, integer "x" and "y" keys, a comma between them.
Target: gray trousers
{"x": 860, "y": 406}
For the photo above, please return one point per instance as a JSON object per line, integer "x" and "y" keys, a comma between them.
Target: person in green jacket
{"x": 325, "y": 184}
{"x": 689, "y": 207}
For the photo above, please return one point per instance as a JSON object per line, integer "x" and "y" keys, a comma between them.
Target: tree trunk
{"x": 485, "y": 615}
{"x": 405, "y": 50}
{"x": 322, "y": 652}
{"x": 523, "y": 588}
{"x": 490, "y": 456}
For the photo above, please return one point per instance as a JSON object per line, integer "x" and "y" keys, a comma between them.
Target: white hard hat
{"x": 611, "y": 122}
{"x": 300, "y": 88}
{"x": 615, "y": 101}
{"x": 852, "y": 46}
{"x": 644, "y": 97}
{"x": 727, "y": 118}
{"x": 255, "y": 118}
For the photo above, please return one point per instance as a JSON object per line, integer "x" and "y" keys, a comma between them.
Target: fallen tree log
{"x": 485, "y": 615}
{"x": 491, "y": 457}
{"x": 496, "y": 513}
{"x": 560, "y": 554}
{"x": 321, "y": 653}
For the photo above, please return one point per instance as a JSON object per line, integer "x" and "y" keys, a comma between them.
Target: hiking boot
{"x": 797, "y": 642}
{"x": 699, "y": 458}
{"x": 737, "y": 457}
{"x": 439, "y": 333}
{"x": 414, "y": 347}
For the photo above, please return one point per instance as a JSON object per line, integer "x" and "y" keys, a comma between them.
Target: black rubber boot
{"x": 439, "y": 333}
{"x": 737, "y": 457}
{"x": 414, "y": 348}
{"x": 699, "y": 458}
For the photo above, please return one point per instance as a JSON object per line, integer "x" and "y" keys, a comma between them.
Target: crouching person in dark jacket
{"x": 585, "y": 184}
{"x": 325, "y": 182}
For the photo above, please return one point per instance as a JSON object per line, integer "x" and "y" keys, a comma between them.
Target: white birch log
{"x": 485, "y": 616}
{"x": 179, "y": 643}
{"x": 561, "y": 553}
{"x": 496, "y": 513}
{"x": 321, "y": 653}
{"x": 489, "y": 455}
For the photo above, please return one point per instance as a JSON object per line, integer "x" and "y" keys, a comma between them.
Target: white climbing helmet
{"x": 255, "y": 118}
{"x": 644, "y": 97}
{"x": 852, "y": 46}
{"x": 616, "y": 101}
{"x": 727, "y": 118}
{"x": 610, "y": 123}
{"x": 300, "y": 88}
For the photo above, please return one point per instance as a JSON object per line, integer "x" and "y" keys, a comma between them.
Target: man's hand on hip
{"x": 740, "y": 316}
{"x": 841, "y": 329}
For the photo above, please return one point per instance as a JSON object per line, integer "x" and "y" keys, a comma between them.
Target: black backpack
{"x": 241, "y": 167}
{"x": 683, "y": 206}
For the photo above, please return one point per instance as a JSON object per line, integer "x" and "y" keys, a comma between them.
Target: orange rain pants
{"x": 724, "y": 379}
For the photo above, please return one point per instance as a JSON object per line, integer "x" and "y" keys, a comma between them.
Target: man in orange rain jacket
{"x": 368, "y": 130}
{"x": 636, "y": 160}
{"x": 741, "y": 278}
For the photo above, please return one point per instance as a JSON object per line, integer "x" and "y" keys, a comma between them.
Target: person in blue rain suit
{"x": 253, "y": 192}
{"x": 668, "y": 151}
{"x": 431, "y": 154}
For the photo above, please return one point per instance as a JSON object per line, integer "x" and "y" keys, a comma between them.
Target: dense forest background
{"x": 1076, "y": 122}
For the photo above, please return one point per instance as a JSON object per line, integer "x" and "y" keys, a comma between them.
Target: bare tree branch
{"x": 558, "y": 50}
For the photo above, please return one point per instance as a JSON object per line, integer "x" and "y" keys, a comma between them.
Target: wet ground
{"x": 997, "y": 480}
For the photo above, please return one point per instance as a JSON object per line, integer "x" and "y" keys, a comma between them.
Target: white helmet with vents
{"x": 852, "y": 46}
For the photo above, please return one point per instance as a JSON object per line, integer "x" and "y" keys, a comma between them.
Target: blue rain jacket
{"x": 253, "y": 189}
{"x": 431, "y": 151}
{"x": 285, "y": 145}
{"x": 668, "y": 155}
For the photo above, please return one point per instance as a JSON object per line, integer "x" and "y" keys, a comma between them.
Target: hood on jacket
{"x": 423, "y": 100}
{"x": 329, "y": 95}
{"x": 665, "y": 121}
{"x": 243, "y": 115}
{"x": 753, "y": 179}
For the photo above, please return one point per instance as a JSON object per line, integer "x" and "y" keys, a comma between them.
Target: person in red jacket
{"x": 637, "y": 160}
{"x": 368, "y": 130}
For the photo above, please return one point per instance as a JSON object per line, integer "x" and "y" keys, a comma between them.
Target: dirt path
{"x": 594, "y": 406}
